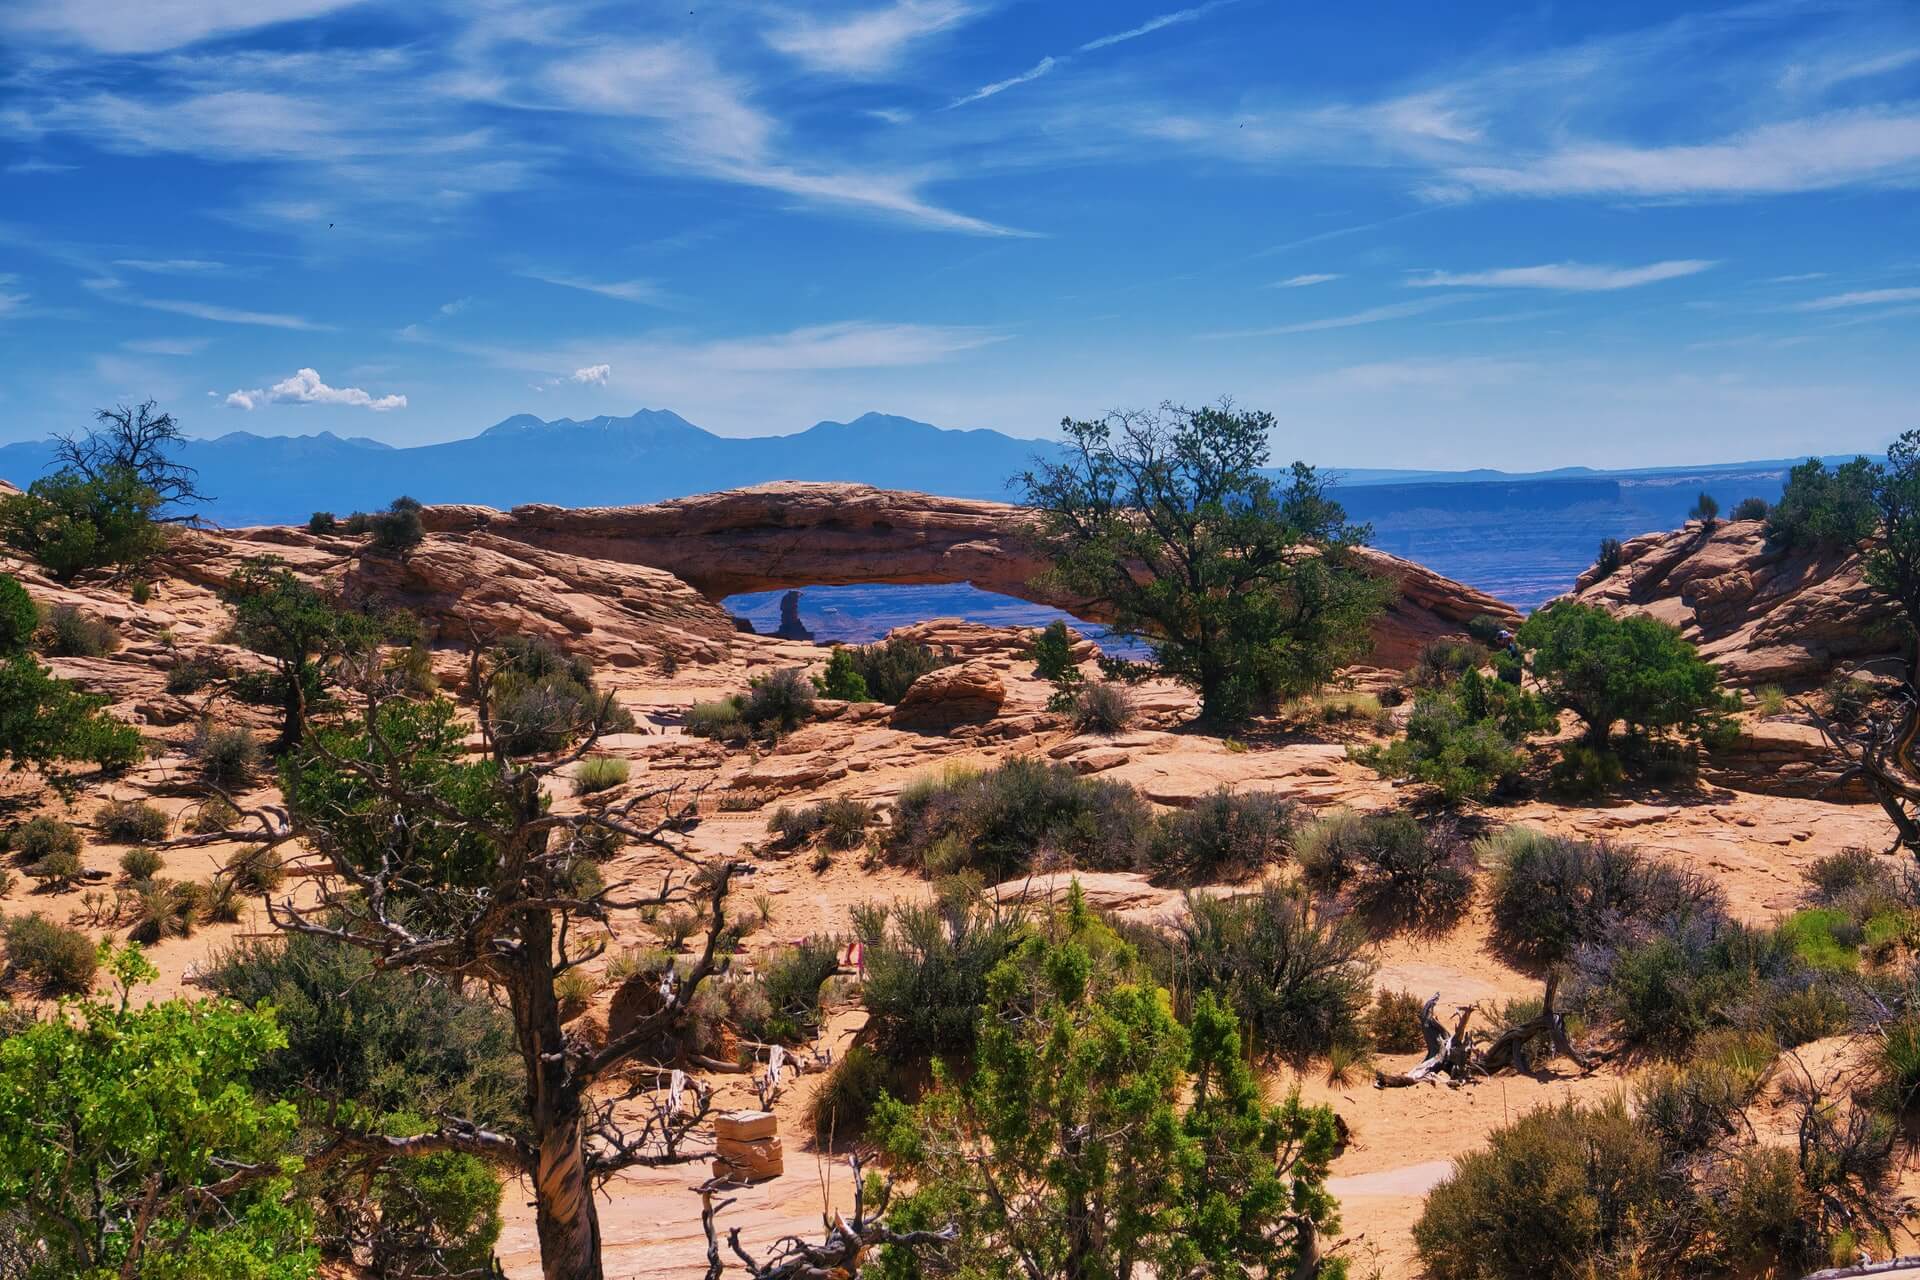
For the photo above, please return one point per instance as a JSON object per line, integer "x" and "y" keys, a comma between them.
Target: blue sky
{"x": 1423, "y": 235}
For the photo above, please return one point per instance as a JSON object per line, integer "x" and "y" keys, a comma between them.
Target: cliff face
{"x": 1763, "y": 615}
{"x": 802, "y": 534}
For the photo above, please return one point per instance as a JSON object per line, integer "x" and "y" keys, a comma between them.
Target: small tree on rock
{"x": 1607, "y": 670}
{"x": 305, "y": 631}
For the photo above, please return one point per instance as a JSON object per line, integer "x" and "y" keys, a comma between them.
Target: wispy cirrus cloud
{"x": 307, "y": 387}
{"x": 1051, "y": 62}
{"x": 1860, "y": 298}
{"x": 151, "y": 26}
{"x": 1352, "y": 319}
{"x": 870, "y": 41}
{"x": 1303, "y": 281}
{"x": 642, "y": 291}
{"x": 223, "y": 315}
{"x": 170, "y": 266}
{"x": 1575, "y": 277}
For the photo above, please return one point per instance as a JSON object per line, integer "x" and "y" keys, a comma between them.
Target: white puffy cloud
{"x": 594, "y": 375}
{"x": 306, "y": 387}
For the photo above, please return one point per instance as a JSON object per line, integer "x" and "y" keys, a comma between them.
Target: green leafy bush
{"x": 845, "y": 1100}
{"x": 1022, "y": 812}
{"x": 322, "y": 523}
{"x": 61, "y": 961}
{"x": 888, "y": 668}
{"x": 73, "y": 634}
{"x": 131, "y": 822}
{"x": 1706, "y": 509}
{"x": 1750, "y": 509}
{"x": 1462, "y": 738}
{"x": 842, "y": 678}
{"x": 19, "y": 617}
{"x": 1445, "y": 660}
{"x": 1052, "y": 652}
{"x": 1225, "y": 836}
{"x": 1388, "y": 866}
{"x": 544, "y": 700}
{"x": 398, "y": 529}
{"x": 791, "y": 980}
{"x": 1607, "y": 560}
{"x": 71, "y": 524}
{"x": 1825, "y": 507}
{"x": 1553, "y": 894}
{"x": 57, "y": 870}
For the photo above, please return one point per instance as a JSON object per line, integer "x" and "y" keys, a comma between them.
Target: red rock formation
{"x": 799, "y": 534}
{"x": 1763, "y": 615}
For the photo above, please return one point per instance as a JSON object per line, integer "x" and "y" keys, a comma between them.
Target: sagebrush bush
{"x": 845, "y": 1100}
{"x": 256, "y": 869}
{"x": 790, "y": 980}
{"x": 210, "y": 815}
{"x": 927, "y": 967}
{"x": 1102, "y": 707}
{"x": 1552, "y": 894}
{"x": 191, "y": 675}
{"x": 844, "y": 822}
{"x": 228, "y": 756}
{"x": 1022, "y": 813}
{"x": 1298, "y": 980}
{"x": 1395, "y": 1023}
{"x": 544, "y": 699}
{"x": 73, "y": 634}
{"x": 1561, "y": 1188}
{"x": 794, "y": 825}
{"x": 61, "y": 961}
{"x": 600, "y": 773}
{"x": 1388, "y": 866}
{"x": 1225, "y": 836}
{"x": 57, "y": 870}
{"x": 1445, "y": 660}
{"x": 42, "y": 835}
{"x": 888, "y": 668}
{"x": 778, "y": 702}
{"x": 140, "y": 864}
{"x": 131, "y": 822}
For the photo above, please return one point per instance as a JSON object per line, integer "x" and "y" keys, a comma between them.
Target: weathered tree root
{"x": 1452, "y": 1053}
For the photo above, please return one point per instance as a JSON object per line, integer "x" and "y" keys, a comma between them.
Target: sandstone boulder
{"x": 965, "y": 693}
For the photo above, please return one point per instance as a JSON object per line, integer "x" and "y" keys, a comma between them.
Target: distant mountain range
{"x": 1522, "y": 537}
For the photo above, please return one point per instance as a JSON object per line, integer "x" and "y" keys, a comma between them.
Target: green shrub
{"x": 1847, "y": 698}
{"x": 190, "y": 675}
{"x": 140, "y": 591}
{"x": 1750, "y": 509}
{"x": 1052, "y": 652}
{"x": 1445, "y": 660}
{"x": 1298, "y": 980}
{"x": 778, "y": 703}
{"x": 57, "y": 870}
{"x": 1770, "y": 699}
{"x": 1553, "y": 894}
{"x": 1706, "y": 509}
{"x": 73, "y": 634}
{"x": 791, "y": 980}
{"x": 1388, "y": 866}
{"x": 717, "y": 720}
{"x": 889, "y": 667}
{"x": 256, "y": 869}
{"x": 543, "y": 699}
{"x": 1825, "y": 507}
{"x": 600, "y": 773}
{"x": 131, "y": 822}
{"x": 1555, "y": 1192}
{"x": 842, "y": 678}
{"x": 1607, "y": 559}
{"x": 574, "y": 990}
{"x": 70, "y": 524}
{"x": 844, "y": 822}
{"x": 322, "y": 523}
{"x": 1461, "y": 738}
{"x": 43, "y": 836}
{"x": 228, "y": 756}
{"x": 1395, "y": 1022}
{"x": 140, "y": 864}
{"x": 61, "y": 961}
{"x": 926, "y": 971}
{"x": 167, "y": 909}
{"x": 1896, "y": 1057}
{"x": 1226, "y": 836}
{"x": 211, "y": 815}
{"x": 1484, "y": 629}
{"x": 19, "y": 618}
{"x": 845, "y": 1099}
{"x": 794, "y": 826}
{"x": 1585, "y": 773}
{"x": 438, "y": 1215}
{"x": 1102, "y": 707}
{"x": 1022, "y": 812}
{"x": 397, "y": 530}
{"x": 1823, "y": 938}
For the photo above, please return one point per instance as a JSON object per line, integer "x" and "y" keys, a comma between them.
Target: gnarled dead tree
{"x": 1880, "y": 753}
{"x": 844, "y": 1245}
{"x": 1452, "y": 1052}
